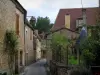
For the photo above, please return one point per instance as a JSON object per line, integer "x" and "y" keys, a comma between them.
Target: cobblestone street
{"x": 36, "y": 68}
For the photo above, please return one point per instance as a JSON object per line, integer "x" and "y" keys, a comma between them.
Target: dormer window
{"x": 67, "y": 21}
{"x": 79, "y": 22}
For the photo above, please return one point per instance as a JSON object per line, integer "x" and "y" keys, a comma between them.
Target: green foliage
{"x": 42, "y": 24}
{"x": 60, "y": 39}
{"x": 11, "y": 47}
{"x": 59, "y": 47}
{"x": 90, "y": 48}
{"x": 10, "y": 42}
{"x": 72, "y": 60}
{"x": 88, "y": 56}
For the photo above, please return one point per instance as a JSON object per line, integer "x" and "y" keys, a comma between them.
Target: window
{"x": 17, "y": 24}
{"x": 79, "y": 22}
{"x": 30, "y": 34}
{"x": 67, "y": 21}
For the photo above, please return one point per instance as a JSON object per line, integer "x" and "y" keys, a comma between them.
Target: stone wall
{"x": 21, "y": 40}
{"x": 68, "y": 34}
{"x": 8, "y": 12}
{"x": 29, "y": 45}
{"x": 38, "y": 49}
{"x": 7, "y": 21}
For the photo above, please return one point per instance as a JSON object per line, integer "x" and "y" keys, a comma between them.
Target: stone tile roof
{"x": 75, "y": 13}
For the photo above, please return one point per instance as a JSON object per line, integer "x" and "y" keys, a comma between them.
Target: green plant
{"x": 11, "y": 47}
{"x": 90, "y": 48}
{"x": 73, "y": 60}
{"x": 59, "y": 46}
{"x": 42, "y": 24}
{"x": 88, "y": 56}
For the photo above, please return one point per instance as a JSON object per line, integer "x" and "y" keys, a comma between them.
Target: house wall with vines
{"x": 21, "y": 37}
{"x": 7, "y": 21}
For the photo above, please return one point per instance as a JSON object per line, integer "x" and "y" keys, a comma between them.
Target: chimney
{"x": 84, "y": 15}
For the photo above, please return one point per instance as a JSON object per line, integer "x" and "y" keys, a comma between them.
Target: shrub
{"x": 73, "y": 60}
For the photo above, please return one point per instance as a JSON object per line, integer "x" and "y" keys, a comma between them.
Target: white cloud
{"x": 70, "y": 3}
{"x": 31, "y": 4}
{"x": 50, "y": 8}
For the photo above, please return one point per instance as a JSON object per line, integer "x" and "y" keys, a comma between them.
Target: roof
{"x": 61, "y": 29}
{"x": 74, "y": 13}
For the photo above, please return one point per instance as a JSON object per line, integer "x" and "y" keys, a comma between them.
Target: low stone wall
{"x": 58, "y": 69}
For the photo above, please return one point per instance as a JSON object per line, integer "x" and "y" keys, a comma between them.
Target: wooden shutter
{"x": 67, "y": 21}
{"x": 17, "y": 24}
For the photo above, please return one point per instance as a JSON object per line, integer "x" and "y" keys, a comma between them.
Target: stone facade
{"x": 7, "y": 21}
{"x": 64, "y": 31}
{"x": 37, "y": 47}
{"x": 29, "y": 45}
{"x": 21, "y": 52}
{"x": 8, "y": 11}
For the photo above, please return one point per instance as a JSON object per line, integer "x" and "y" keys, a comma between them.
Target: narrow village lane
{"x": 36, "y": 68}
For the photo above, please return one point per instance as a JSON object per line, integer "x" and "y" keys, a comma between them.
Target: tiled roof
{"x": 74, "y": 13}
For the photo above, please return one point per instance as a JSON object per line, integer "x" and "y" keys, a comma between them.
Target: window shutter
{"x": 17, "y": 24}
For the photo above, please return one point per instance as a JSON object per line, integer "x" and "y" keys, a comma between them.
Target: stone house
{"x": 72, "y": 35}
{"x": 37, "y": 45}
{"x": 12, "y": 17}
{"x": 29, "y": 51}
{"x": 69, "y": 21}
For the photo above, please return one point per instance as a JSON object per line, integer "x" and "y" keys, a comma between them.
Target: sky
{"x": 51, "y": 8}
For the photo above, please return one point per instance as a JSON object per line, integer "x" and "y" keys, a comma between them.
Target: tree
{"x": 42, "y": 24}
{"x": 11, "y": 47}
